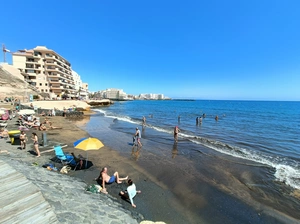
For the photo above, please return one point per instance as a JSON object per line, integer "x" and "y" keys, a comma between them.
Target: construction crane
{"x": 4, "y": 52}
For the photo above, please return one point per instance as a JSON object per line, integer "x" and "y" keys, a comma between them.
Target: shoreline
{"x": 67, "y": 135}
{"x": 200, "y": 184}
{"x": 162, "y": 196}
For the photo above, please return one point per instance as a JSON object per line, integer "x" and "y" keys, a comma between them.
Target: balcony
{"x": 56, "y": 87}
{"x": 54, "y": 81}
{"x": 50, "y": 63}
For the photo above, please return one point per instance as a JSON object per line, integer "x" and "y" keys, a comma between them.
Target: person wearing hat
{"x": 138, "y": 136}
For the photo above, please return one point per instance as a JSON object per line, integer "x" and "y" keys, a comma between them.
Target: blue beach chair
{"x": 65, "y": 158}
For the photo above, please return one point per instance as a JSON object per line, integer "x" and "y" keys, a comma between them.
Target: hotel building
{"x": 46, "y": 70}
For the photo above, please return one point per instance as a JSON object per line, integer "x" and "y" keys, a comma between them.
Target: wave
{"x": 286, "y": 171}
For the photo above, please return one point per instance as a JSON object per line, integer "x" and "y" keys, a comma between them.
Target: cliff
{"x": 11, "y": 84}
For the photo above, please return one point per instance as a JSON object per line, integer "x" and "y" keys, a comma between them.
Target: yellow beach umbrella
{"x": 88, "y": 144}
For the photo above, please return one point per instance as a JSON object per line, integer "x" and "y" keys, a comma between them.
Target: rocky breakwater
{"x": 103, "y": 102}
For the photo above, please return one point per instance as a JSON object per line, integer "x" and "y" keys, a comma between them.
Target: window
{"x": 46, "y": 84}
{"x": 40, "y": 84}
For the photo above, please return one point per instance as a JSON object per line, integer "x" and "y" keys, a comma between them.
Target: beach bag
{"x": 99, "y": 188}
{"x": 92, "y": 188}
{"x": 65, "y": 169}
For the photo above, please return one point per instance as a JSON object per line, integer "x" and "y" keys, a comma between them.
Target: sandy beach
{"x": 68, "y": 134}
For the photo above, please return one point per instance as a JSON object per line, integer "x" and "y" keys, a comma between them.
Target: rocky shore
{"x": 65, "y": 193}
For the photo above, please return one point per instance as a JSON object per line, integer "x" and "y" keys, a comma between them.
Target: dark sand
{"x": 174, "y": 190}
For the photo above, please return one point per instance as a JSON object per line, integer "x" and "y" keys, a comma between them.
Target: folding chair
{"x": 65, "y": 158}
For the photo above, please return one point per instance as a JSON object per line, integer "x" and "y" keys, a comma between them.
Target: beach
{"x": 175, "y": 188}
{"x": 22, "y": 160}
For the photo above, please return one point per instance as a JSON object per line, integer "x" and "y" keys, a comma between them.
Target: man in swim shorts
{"x": 109, "y": 179}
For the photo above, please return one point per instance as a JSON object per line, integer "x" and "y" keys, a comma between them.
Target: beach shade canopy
{"x": 2, "y": 111}
{"x": 88, "y": 144}
{"x": 26, "y": 111}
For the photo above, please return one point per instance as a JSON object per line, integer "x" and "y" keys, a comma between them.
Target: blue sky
{"x": 234, "y": 49}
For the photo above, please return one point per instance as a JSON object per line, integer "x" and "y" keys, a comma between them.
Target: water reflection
{"x": 135, "y": 153}
{"x": 174, "y": 150}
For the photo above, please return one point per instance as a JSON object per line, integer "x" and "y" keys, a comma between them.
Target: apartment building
{"x": 112, "y": 94}
{"x": 81, "y": 88}
{"x": 46, "y": 70}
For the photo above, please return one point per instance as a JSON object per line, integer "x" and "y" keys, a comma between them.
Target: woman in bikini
{"x": 109, "y": 179}
{"x": 36, "y": 144}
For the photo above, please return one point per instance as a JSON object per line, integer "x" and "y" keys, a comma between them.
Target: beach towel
{"x": 65, "y": 169}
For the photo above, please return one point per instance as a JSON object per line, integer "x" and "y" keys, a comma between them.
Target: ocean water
{"x": 266, "y": 132}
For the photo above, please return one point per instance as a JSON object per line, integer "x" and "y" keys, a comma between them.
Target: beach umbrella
{"x": 87, "y": 144}
{"x": 2, "y": 111}
{"x": 26, "y": 111}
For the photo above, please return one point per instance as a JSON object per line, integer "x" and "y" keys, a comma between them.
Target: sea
{"x": 256, "y": 142}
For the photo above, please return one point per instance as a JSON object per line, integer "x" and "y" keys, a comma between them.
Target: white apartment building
{"x": 80, "y": 87}
{"x": 84, "y": 91}
{"x": 112, "y": 94}
{"x": 151, "y": 96}
{"x": 46, "y": 70}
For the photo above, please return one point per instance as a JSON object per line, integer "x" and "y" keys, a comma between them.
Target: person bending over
{"x": 130, "y": 192}
{"x": 109, "y": 179}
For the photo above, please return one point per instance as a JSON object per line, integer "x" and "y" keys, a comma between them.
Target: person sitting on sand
{"x": 43, "y": 113}
{"x": 78, "y": 159}
{"x": 53, "y": 127}
{"x": 49, "y": 113}
{"x": 4, "y": 133}
{"x": 109, "y": 179}
{"x": 130, "y": 193}
{"x": 43, "y": 127}
{"x": 46, "y": 121}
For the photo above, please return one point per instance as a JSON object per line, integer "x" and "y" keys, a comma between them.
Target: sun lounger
{"x": 65, "y": 158}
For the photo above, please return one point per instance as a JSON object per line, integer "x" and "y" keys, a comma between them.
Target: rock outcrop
{"x": 13, "y": 86}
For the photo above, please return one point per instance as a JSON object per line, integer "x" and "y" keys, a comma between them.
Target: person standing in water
{"x": 144, "y": 120}
{"x": 176, "y": 131}
{"x": 138, "y": 137}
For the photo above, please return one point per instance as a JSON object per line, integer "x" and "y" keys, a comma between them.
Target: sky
{"x": 233, "y": 49}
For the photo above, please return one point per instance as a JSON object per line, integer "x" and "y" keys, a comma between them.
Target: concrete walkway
{"x": 21, "y": 201}
{"x": 31, "y": 194}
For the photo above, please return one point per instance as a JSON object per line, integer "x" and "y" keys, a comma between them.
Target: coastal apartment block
{"x": 46, "y": 70}
{"x": 112, "y": 94}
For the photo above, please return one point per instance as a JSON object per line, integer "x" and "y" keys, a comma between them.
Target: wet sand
{"x": 186, "y": 185}
{"x": 207, "y": 188}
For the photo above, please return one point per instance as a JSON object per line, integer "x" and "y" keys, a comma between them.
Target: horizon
{"x": 197, "y": 50}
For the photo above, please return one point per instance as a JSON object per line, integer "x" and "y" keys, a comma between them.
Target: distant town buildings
{"x": 119, "y": 94}
{"x": 112, "y": 94}
{"x": 49, "y": 72}
{"x": 151, "y": 96}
